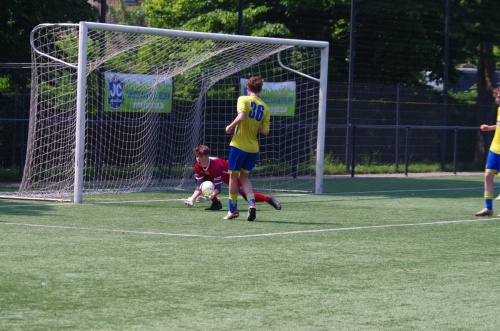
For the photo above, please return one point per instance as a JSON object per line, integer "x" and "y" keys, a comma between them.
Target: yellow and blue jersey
{"x": 256, "y": 114}
{"x": 495, "y": 143}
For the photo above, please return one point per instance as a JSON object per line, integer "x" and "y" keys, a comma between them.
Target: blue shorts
{"x": 240, "y": 161}
{"x": 493, "y": 162}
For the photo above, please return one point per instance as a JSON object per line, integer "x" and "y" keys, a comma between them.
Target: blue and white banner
{"x": 137, "y": 93}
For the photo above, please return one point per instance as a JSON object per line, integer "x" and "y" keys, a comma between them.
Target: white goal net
{"x": 120, "y": 108}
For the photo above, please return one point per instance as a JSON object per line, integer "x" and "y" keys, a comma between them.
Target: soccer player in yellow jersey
{"x": 253, "y": 117}
{"x": 492, "y": 162}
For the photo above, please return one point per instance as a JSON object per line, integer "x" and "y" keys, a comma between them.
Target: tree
{"x": 127, "y": 15}
{"x": 19, "y": 17}
{"x": 214, "y": 16}
{"x": 476, "y": 26}
{"x": 309, "y": 20}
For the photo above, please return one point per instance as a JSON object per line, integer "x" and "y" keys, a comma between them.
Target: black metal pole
{"x": 444, "y": 118}
{"x": 353, "y": 151}
{"x": 102, "y": 18}
{"x": 350, "y": 79}
{"x": 455, "y": 151}
{"x": 100, "y": 114}
{"x": 407, "y": 150}
{"x": 240, "y": 17}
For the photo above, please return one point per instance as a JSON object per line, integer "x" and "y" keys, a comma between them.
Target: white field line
{"x": 241, "y": 236}
{"x": 404, "y": 191}
{"x": 356, "y": 228}
{"x": 87, "y": 204}
{"x": 277, "y": 195}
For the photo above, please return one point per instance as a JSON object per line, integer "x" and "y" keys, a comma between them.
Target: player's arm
{"x": 486, "y": 127}
{"x": 266, "y": 124}
{"x": 216, "y": 191}
{"x": 239, "y": 118}
{"x": 263, "y": 131}
{"x": 189, "y": 201}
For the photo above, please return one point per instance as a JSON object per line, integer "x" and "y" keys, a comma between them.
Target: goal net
{"x": 120, "y": 108}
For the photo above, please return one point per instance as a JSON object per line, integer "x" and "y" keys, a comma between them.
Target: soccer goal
{"x": 120, "y": 108}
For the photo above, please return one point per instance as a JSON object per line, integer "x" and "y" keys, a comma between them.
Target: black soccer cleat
{"x": 252, "y": 213}
{"x": 215, "y": 206}
{"x": 275, "y": 203}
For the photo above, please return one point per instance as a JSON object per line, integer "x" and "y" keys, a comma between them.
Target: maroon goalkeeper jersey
{"x": 216, "y": 171}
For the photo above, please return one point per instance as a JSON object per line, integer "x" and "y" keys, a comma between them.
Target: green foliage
{"x": 18, "y": 17}
{"x": 496, "y": 53}
{"x": 127, "y": 15}
{"x": 5, "y": 84}
{"x": 468, "y": 97}
{"x": 9, "y": 175}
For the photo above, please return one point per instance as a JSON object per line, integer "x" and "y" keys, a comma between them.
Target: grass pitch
{"x": 372, "y": 254}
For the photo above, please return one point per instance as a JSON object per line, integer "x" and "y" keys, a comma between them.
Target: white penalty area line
{"x": 356, "y": 228}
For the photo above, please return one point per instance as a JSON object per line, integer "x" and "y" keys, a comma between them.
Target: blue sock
{"x": 232, "y": 206}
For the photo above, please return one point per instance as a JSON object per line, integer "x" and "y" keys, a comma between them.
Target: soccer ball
{"x": 207, "y": 188}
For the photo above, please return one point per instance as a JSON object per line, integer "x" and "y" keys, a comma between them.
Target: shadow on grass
{"x": 14, "y": 208}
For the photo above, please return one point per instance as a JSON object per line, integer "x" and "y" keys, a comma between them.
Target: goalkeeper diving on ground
{"x": 215, "y": 170}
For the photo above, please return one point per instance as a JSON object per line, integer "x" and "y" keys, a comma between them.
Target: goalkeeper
{"x": 215, "y": 170}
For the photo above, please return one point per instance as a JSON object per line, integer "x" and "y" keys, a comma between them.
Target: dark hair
{"x": 254, "y": 84}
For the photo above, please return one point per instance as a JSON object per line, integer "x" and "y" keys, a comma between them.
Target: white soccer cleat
{"x": 232, "y": 215}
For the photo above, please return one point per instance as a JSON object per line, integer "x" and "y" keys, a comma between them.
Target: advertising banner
{"x": 137, "y": 93}
{"x": 279, "y": 97}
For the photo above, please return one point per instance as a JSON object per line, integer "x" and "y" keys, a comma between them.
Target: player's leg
{"x": 259, "y": 197}
{"x": 492, "y": 165}
{"x": 240, "y": 190}
{"x": 216, "y": 204}
{"x": 233, "y": 197}
{"x": 247, "y": 188}
{"x": 234, "y": 166}
{"x": 248, "y": 164}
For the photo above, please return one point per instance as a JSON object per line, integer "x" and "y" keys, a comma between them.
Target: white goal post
{"x": 120, "y": 108}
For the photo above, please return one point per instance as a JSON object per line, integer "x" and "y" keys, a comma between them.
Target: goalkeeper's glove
{"x": 209, "y": 197}
{"x": 203, "y": 198}
{"x": 188, "y": 202}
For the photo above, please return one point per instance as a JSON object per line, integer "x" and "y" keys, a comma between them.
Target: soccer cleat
{"x": 232, "y": 215}
{"x": 498, "y": 197}
{"x": 215, "y": 206}
{"x": 484, "y": 212}
{"x": 252, "y": 212}
{"x": 275, "y": 203}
